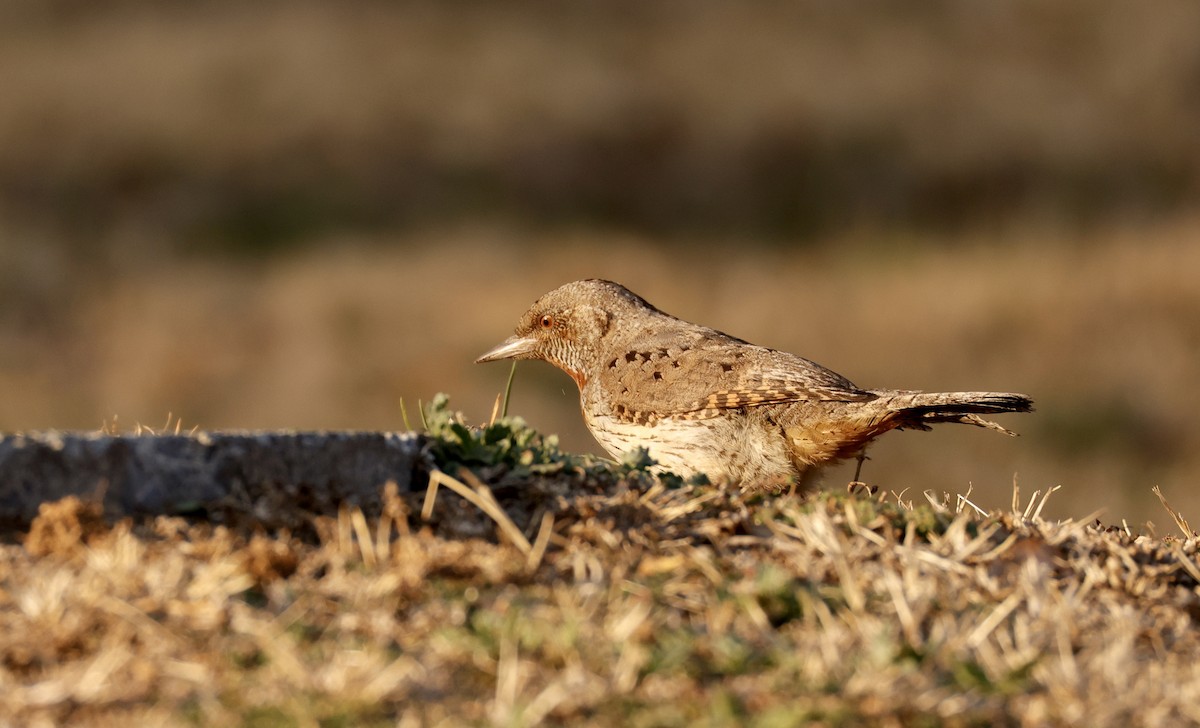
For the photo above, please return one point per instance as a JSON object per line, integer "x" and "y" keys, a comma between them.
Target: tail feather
{"x": 918, "y": 410}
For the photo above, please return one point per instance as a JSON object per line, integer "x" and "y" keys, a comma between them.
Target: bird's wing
{"x": 702, "y": 380}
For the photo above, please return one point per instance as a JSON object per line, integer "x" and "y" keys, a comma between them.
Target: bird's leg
{"x": 862, "y": 455}
{"x": 856, "y": 484}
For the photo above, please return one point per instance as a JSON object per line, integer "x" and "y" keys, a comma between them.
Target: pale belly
{"x": 736, "y": 449}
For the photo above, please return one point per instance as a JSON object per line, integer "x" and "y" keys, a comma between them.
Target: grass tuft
{"x": 563, "y": 590}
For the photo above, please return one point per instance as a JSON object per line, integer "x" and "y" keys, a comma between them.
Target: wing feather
{"x": 701, "y": 379}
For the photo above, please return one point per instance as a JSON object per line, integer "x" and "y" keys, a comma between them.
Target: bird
{"x": 702, "y": 402}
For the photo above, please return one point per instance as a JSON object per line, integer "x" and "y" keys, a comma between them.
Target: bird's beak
{"x": 514, "y": 347}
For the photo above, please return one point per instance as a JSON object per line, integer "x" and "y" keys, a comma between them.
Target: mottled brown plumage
{"x": 701, "y": 401}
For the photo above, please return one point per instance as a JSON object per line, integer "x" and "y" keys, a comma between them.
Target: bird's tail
{"x": 918, "y": 410}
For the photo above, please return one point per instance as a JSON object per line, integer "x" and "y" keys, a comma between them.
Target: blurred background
{"x": 294, "y": 214}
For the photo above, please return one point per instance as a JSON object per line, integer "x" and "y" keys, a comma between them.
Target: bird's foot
{"x": 857, "y": 486}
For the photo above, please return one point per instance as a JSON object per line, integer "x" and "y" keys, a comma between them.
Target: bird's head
{"x": 568, "y": 326}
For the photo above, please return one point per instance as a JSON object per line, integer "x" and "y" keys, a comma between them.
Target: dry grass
{"x": 538, "y": 587}
{"x": 647, "y": 605}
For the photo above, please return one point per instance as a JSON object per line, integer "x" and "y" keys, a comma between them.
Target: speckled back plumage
{"x": 703, "y": 401}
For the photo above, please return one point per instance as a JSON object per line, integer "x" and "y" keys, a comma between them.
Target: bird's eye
{"x": 547, "y": 321}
